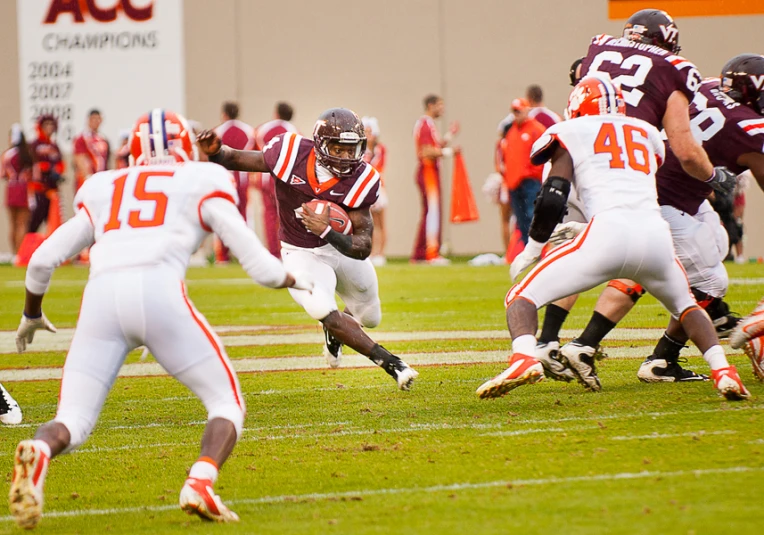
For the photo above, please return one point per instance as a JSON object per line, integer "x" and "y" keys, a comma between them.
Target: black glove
{"x": 723, "y": 180}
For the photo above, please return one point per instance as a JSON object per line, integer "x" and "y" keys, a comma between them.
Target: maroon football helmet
{"x": 339, "y": 125}
{"x": 743, "y": 81}
{"x": 653, "y": 27}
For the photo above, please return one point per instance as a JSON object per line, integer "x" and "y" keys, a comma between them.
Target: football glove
{"x": 723, "y": 180}
{"x": 566, "y": 231}
{"x": 527, "y": 258}
{"x": 27, "y": 328}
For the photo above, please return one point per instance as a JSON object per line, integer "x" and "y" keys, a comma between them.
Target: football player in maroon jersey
{"x": 329, "y": 167}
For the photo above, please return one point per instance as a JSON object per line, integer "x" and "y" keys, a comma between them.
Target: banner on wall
{"x": 122, "y": 57}
{"x": 623, "y": 9}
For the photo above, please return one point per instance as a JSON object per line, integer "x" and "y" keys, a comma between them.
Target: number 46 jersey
{"x": 150, "y": 215}
{"x": 615, "y": 159}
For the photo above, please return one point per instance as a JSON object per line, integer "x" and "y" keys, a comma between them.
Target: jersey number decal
{"x": 642, "y": 63}
{"x": 708, "y": 122}
{"x": 607, "y": 143}
{"x": 140, "y": 194}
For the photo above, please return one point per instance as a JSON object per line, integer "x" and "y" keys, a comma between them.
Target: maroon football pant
{"x": 427, "y": 244}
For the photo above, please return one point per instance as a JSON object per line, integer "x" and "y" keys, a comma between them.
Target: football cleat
{"x": 755, "y": 351}
{"x": 439, "y": 261}
{"x": 332, "y": 349}
{"x": 404, "y": 375}
{"x": 726, "y": 324}
{"x": 26, "y": 498}
{"x": 654, "y": 370}
{"x": 548, "y": 355}
{"x": 10, "y": 412}
{"x": 523, "y": 370}
{"x": 580, "y": 359}
{"x": 198, "y": 498}
{"x": 750, "y": 327}
{"x": 729, "y": 385}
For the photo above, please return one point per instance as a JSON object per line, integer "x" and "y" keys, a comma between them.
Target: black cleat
{"x": 332, "y": 349}
{"x": 655, "y": 370}
{"x": 726, "y": 324}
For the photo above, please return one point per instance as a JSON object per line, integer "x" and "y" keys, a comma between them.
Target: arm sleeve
{"x": 68, "y": 239}
{"x": 224, "y": 219}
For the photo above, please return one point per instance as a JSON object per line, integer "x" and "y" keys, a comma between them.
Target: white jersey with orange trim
{"x": 615, "y": 159}
{"x": 150, "y": 216}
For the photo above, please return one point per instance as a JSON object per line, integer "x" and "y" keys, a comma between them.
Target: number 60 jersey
{"x": 615, "y": 159}
{"x": 151, "y": 215}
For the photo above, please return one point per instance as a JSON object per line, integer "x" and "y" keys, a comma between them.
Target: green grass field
{"x": 343, "y": 451}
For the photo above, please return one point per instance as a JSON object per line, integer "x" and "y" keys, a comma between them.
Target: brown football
{"x": 338, "y": 218}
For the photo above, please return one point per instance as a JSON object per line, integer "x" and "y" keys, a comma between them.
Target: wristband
{"x": 326, "y": 231}
{"x": 447, "y": 151}
{"x": 32, "y": 317}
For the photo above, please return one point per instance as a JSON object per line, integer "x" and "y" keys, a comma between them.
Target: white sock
{"x": 204, "y": 470}
{"x": 43, "y": 447}
{"x": 525, "y": 344}
{"x": 716, "y": 358}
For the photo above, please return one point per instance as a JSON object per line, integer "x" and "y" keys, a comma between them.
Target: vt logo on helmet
{"x": 340, "y": 141}
{"x": 653, "y": 27}
{"x": 743, "y": 81}
{"x": 162, "y": 137}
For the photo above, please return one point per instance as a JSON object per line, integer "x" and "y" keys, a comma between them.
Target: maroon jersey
{"x": 291, "y": 159}
{"x": 544, "y": 115}
{"x": 49, "y": 163}
{"x": 727, "y": 130}
{"x": 18, "y": 176}
{"x": 646, "y": 73}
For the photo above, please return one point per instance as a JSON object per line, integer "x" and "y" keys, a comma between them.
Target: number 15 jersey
{"x": 150, "y": 215}
{"x": 615, "y": 159}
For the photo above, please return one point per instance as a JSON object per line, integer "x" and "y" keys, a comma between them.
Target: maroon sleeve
{"x": 79, "y": 145}
{"x": 685, "y": 76}
{"x": 272, "y": 150}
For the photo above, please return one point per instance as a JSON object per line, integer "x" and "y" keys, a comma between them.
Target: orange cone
{"x": 28, "y": 246}
{"x": 463, "y": 206}
{"x": 54, "y": 212}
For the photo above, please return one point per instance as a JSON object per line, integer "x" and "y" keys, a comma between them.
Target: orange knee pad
{"x": 634, "y": 291}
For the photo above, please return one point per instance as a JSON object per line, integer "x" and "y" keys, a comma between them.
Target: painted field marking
{"x": 655, "y": 436}
{"x": 622, "y": 476}
{"x": 60, "y": 341}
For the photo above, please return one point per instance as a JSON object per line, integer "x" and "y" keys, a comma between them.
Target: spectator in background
{"x": 280, "y": 124}
{"x": 122, "y": 156}
{"x": 429, "y": 149}
{"x": 91, "y": 150}
{"x": 521, "y": 177}
{"x": 49, "y": 168}
{"x": 17, "y": 166}
{"x": 376, "y": 155}
{"x": 538, "y": 111}
{"x": 237, "y": 135}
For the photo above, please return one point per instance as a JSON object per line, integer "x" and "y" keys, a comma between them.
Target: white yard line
{"x": 271, "y": 364}
{"x": 657, "y": 436}
{"x": 466, "y": 486}
{"x": 60, "y": 341}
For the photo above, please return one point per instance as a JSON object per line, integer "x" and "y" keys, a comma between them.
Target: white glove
{"x": 302, "y": 281}
{"x": 566, "y": 231}
{"x": 27, "y": 328}
{"x": 524, "y": 260}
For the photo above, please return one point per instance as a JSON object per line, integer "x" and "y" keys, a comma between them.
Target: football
{"x": 338, "y": 218}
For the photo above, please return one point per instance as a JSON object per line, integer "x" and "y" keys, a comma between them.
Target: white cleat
{"x": 405, "y": 375}
{"x": 755, "y": 351}
{"x": 750, "y": 327}
{"x": 332, "y": 349}
{"x": 548, "y": 355}
{"x": 26, "y": 497}
{"x": 581, "y": 360}
{"x": 198, "y": 498}
{"x": 728, "y": 383}
{"x": 10, "y": 412}
{"x": 523, "y": 370}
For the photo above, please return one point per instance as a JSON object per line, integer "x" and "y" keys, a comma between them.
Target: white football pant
{"x": 355, "y": 281}
{"x": 617, "y": 244}
{"x": 143, "y": 306}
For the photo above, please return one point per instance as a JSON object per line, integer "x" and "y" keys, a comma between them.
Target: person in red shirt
{"x": 241, "y": 136}
{"x": 91, "y": 150}
{"x": 376, "y": 155}
{"x": 48, "y": 170}
{"x": 538, "y": 111}
{"x": 521, "y": 177}
{"x": 16, "y": 166}
{"x": 122, "y": 156}
{"x": 263, "y": 135}
{"x": 429, "y": 149}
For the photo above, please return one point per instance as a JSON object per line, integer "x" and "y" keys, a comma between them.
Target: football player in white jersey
{"x": 613, "y": 160}
{"x": 143, "y": 223}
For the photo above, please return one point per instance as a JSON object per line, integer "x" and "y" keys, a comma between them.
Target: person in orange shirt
{"x": 521, "y": 178}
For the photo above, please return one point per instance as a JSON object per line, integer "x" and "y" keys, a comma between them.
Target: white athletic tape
{"x": 622, "y": 476}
